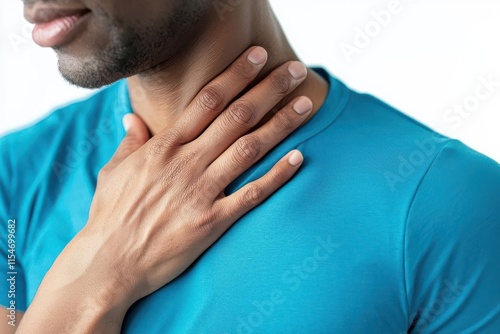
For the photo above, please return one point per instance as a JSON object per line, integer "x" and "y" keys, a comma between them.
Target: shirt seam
{"x": 410, "y": 206}
{"x": 341, "y": 109}
{"x": 338, "y": 110}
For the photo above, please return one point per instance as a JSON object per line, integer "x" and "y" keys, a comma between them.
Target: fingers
{"x": 137, "y": 135}
{"x": 252, "y": 194}
{"x": 243, "y": 114}
{"x": 249, "y": 149}
{"x": 217, "y": 94}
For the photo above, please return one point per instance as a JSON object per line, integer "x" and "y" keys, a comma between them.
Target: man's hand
{"x": 160, "y": 202}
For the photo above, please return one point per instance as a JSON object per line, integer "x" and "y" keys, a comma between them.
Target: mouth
{"x": 55, "y": 27}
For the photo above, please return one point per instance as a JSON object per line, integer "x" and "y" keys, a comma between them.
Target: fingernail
{"x": 297, "y": 70}
{"x": 126, "y": 122}
{"x": 302, "y": 106}
{"x": 296, "y": 158}
{"x": 257, "y": 56}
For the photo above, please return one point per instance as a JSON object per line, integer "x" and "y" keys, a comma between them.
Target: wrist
{"x": 76, "y": 307}
{"x": 86, "y": 268}
{"x": 94, "y": 264}
{"x": 84, "y": 291}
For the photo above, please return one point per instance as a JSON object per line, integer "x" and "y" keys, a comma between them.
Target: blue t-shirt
{"x": 387, "y": 227}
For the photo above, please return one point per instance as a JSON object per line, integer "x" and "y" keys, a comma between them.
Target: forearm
{"x": 64, "y": 312}
{"x": 76, "y": 299}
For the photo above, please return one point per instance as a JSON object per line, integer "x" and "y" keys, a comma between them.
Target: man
{"x": 387, "y": 227}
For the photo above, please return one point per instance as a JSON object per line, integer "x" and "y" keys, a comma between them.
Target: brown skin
{"x": 176, "y": 94}
{"x": 170, "y": 49}
{"x": 160, "y": 204}
{"x": 160, "y": 95}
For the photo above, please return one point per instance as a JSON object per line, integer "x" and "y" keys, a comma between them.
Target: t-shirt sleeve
{"x": 12, "y": 287}
{"x": 452, "y": 245}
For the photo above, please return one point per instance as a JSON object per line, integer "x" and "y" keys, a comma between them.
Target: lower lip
{"x": 59, "y": 31}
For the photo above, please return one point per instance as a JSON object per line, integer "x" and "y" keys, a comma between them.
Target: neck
{"x": 160, "y": 96}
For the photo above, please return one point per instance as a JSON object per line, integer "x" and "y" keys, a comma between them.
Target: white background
{"x": 429, "y": 57}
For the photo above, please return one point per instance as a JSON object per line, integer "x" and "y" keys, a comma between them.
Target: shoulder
{"x": 67, "y": 117}
{"x": 53, "y": 148}
{"x": 393, "y": 149}
{"x": 451, "y": 243}
{"x": 374, "y": 116}
{"x": 64, "y": 129}
{"x": 457, "y": 203}
{"x": 461, "y": 185}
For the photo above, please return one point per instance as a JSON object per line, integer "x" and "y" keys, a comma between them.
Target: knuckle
{"x": 280, "y": 82}
{"x": 210, "y": 190}
{"x": 158, "y": 146}
{"x": 211, "y": 99}
{"x": 278, "y": 176}
{"x": 243, "y": 69}
{"x": 241, "y": 113}
{"x": 177, "y": 166}
{"x": 253, "y": 195}
{"x": 284, "y": 121}
{"x": 161, "y": 143}
{"x": 212, "y": 186}
{"x": 247, "y": 150}
{"x": 207, "y": 222}
{"x": 175, "y": 135}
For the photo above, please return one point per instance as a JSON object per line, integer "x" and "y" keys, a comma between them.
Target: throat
{"x": 160, "y": 95}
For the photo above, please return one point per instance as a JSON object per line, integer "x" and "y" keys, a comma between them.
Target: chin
{"x": 89, "y": 74}
{"x": 88, "y": 79}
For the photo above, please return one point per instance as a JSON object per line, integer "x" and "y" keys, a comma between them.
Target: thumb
{"x": 137, "y": 135}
